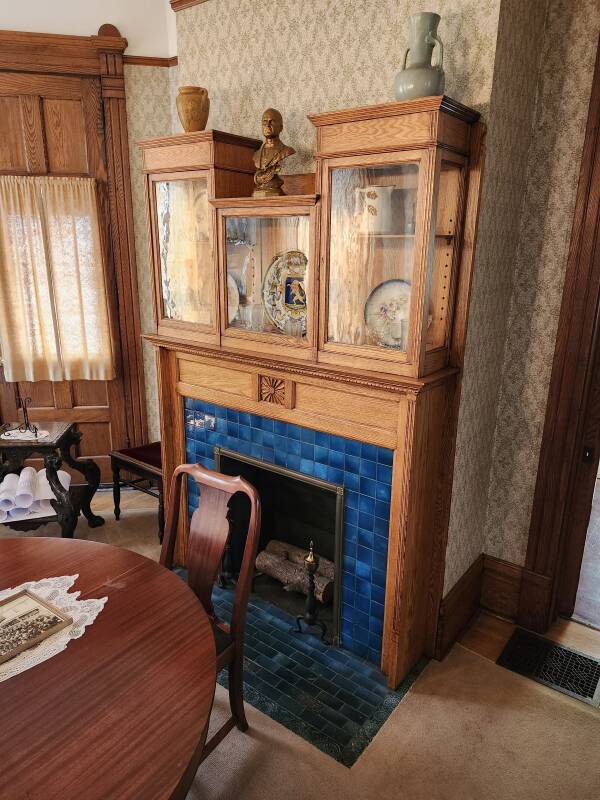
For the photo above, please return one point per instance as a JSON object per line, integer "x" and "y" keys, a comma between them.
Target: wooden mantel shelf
{"x": 367, "y": 380}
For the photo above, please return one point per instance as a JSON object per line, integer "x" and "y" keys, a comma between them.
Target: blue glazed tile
{"x": 380, "y": 543}
{"x": 368, "y": 451}
{"x": 350, "y": 498}
{"x": 335, "y": 475}
{"x": 380, "y": 560}
{"x": 350, "y": 534}
{"x": 257, "y": 435}
{"x": 268, "y": 439}
{"x": 267, "y": 424}
{"x": 368, "y": 487}
{"x": 245, "y": 448}
{"x": 376, "y": 627}
{"x": 338, "y": 443}
{"x": 268, "y": 453}
{"x": 352, "y": 447}
{"x": 368, "y": 469}
{"x": 294, "y": 447}
{"x": 336, "y": 459}
{"x": 280, "y": 428}
{"x": 360, "y": 649}
{"x": 232, "y": 415}
{"x": 280, "y": 457}
{"x": 233, "y": 429}
{"x": 308, "y": 435}
{"x": 293, "y": 461}
{"x": 381, "y": 527}
{"x": 349, "y": 564}
{"x": 322, "y": 439}
{"x": 378, "y": 577}
{"x": 244, "y": 419}
{"x": 256, "y": 450}
{"x": 307, "y": 466}
{"x": 384, "y": 473}
{"x": 352, "y": 464}
{"x": 294, "y": 432}
{"x": 321, "y": 471}
{"x": 378, "y": 594}
{"x": 280, "y": 442}
{"x": 220, "y": 412}
{"x": 366, "y": 504}
{"x": 383, "y": 492}
{"x": 382, "y": 510}
{"x": 348, "y": 596}
{"x": 363, "y": 604}
{"x": 221, "y": 425}
{"x": 346, "y": 628}
{"x": 385, "y": 456}
{"x": 351, "y": 516}
{"x": 352, "y": 481}
{"x": 361, "y": 634}
{"x": 245, "y": 433}
{"x": 307, "y": 451}
{"x": 349, "y": 581}
{"x": 362, "y": 571}
{"x": 366, "y": 539}
{"x": 365, "y": 521}
{"x": 321, "y": 454}
{"x": 350, "y": 548}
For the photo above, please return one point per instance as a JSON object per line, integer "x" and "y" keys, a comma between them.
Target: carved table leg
{"x": 90, "y": 471}
{"x": 13, "y": 460}
{"x": 116, "y": 471}
{"x": 63, "y": 505}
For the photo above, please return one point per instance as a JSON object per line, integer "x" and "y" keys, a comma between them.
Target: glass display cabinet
{"x": 267, "y": 274}
{"x": 183, "y": 172}
{"x": 391, "y": 224}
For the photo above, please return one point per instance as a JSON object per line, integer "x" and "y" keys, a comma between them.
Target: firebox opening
{"x": 296, "y": 509}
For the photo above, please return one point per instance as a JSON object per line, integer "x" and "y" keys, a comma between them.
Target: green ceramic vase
{"x": 418, "y": 76}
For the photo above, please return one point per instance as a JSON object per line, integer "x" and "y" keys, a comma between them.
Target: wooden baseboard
{"x": 151, "y": 61}
{"x": 501, "y": 587}
{"x": 535, "y": 601}
{"x": 458, "y": 607}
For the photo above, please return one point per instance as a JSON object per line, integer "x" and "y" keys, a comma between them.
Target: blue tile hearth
{"x": 333, "y": 699}
{"x": 365, "y": 472}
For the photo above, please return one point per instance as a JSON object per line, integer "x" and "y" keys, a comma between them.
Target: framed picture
{"x": 25, "y": 620}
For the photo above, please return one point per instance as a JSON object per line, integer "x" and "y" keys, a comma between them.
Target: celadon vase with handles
{"x": 418, "y": 76}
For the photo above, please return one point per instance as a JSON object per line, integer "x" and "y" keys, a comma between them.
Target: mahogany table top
{"x": 123, "y": 711}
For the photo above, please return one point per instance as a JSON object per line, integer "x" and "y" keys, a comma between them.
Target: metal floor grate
{"x": 554, "y": 665}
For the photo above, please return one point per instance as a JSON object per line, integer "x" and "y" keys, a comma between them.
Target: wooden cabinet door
{"x": 53, "y": 125}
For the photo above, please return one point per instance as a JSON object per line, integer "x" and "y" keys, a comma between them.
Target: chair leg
{"x": 236, "y": 692}
{"x": 117, "y": 490}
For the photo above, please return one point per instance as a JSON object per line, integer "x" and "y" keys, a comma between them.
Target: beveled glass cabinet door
{"x": 267, "y": 260}
{"x": 371, "y": 254}
{"x": 185, "y": 250}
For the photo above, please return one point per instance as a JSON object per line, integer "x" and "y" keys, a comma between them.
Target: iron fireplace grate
{"x": 553, "y": 665}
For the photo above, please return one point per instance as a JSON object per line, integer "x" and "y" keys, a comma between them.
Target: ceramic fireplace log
{"x": 297, "y": 555}
{"x": 293, "y": 576}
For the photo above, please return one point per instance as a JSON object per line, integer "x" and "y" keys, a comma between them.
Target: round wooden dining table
{"x": 123, "y": 711}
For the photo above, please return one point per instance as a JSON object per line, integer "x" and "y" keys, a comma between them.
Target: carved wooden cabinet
{"x": 183, "y": 172}
{"x": 373, "y": 274}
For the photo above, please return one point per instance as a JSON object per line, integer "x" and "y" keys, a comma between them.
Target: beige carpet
{"x": 467, "y": 730}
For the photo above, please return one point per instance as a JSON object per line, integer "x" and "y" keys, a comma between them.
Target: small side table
{"x": 56, "y": 448}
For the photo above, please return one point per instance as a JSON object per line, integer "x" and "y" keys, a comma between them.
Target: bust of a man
{"x": 269, "y": 156}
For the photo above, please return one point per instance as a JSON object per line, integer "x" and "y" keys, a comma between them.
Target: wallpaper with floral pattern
{"x": 501, "y": 58}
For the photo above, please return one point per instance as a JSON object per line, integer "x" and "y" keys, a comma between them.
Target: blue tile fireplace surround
{"x": 365, "y": 472}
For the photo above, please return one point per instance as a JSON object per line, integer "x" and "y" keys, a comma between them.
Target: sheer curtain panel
{"x": 54, "y": 318}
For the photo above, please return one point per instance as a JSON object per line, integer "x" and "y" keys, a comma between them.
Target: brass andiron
{"x": 269, "y": 156}
{"x": 311, "y": 610}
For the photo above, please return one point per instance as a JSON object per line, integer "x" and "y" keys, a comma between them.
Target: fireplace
{"x": 296, "y": 509}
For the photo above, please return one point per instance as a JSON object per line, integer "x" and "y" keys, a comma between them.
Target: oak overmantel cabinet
{"x": 342, "y": 311}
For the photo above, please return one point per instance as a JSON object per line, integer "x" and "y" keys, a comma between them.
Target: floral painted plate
{"x": 283, "y": 292}
{"x": 386, "y": 314}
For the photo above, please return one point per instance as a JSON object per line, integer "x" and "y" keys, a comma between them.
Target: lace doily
{"x": 56, "y": 591}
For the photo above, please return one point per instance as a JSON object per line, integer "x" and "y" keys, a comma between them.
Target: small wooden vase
{"x": 193, "y": 105}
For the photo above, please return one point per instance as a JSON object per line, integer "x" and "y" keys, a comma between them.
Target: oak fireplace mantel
{"x": 324, "y": 332}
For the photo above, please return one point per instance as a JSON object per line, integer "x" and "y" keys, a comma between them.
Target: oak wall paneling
{"x": 62, "y": 112}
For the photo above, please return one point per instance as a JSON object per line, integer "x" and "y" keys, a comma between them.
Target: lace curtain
{"x": 54, "y": 319}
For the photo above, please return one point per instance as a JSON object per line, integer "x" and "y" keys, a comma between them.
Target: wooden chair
{"x": 209, "y": 531}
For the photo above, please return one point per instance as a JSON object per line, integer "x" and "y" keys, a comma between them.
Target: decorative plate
{"x": 284, "y": 296}
{"x": 233, "y": 298}
{"x": 386, "y": 314}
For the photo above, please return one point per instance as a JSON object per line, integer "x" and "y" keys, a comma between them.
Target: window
{"x": 54, "y": 318}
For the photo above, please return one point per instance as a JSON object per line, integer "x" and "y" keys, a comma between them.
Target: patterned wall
{"x": 342, "y": 54}
{"x": 148, "y": 91}
{"x": 545, "y": 226}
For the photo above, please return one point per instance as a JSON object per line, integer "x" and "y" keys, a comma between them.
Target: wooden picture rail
{"x": 179, "y": 5}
